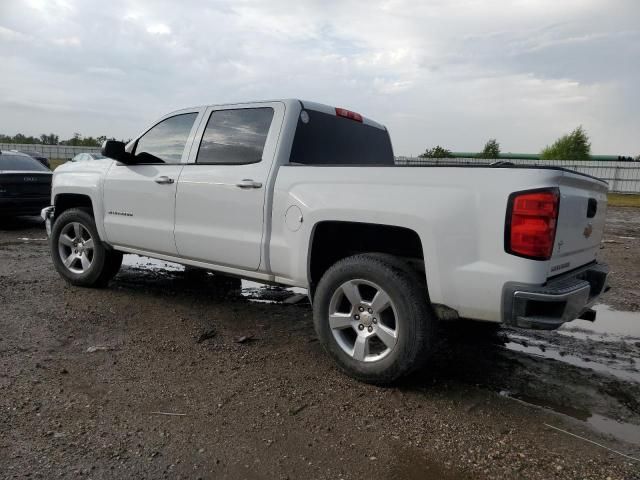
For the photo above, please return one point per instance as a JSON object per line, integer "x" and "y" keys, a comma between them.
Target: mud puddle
{"x": 625, "y": 431}
{"x": 610, "y": 345}
{"x": 147, "y": 263}
{"x": 624, "y": 368}
{"x": 609, "y": 325}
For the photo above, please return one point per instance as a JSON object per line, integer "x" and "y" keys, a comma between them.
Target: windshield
{"x": 20, "y": 162}
{"x": 325, "y": 139}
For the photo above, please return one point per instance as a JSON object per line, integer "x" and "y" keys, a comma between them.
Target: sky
{"x": 436, "y": 72}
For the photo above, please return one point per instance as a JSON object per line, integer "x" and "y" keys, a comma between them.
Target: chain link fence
{"x": 59, "y": 152}
{"x": 622, "y": 177}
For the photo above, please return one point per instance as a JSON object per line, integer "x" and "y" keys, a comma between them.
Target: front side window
{"x": 165, "y": 142}
{"x": 235, "y": 136}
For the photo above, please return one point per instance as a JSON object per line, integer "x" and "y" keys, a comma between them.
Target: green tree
{"x": 574, "y": 146}
{"x": 51, "y": 139}
{"x": 491, "y": 149}
{"x": 436, "y": 152}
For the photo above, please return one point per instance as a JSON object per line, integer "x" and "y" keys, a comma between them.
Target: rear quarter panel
{"x": 458, "y": 213}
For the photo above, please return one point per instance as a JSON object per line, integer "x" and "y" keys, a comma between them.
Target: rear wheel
{"x": 373, "y": 317}
{"x": 77, "y": 252}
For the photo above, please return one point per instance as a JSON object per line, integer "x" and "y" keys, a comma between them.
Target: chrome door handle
{"x": 164, "y": 180}
{"x": 248, "y": 183}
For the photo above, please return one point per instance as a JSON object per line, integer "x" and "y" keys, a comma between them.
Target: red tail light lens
{"x": 531, "y": 223}
{"x": 343, "y": 112}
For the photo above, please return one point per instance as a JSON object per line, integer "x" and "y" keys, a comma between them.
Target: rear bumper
{"x": 560, "y": 300}
{"x": 23, "y": 206}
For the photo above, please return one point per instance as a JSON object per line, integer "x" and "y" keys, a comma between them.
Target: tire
{"x": 74, "y": 231}
{"x": 390, "y": 341}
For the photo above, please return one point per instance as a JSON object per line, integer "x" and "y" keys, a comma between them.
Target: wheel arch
{"x": 64, "y": 201}
{"x": 360, "y": 237}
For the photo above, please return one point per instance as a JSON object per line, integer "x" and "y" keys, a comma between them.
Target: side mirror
{"x": 115, "y": 150}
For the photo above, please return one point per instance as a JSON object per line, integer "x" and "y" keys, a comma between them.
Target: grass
{"x": 56, "y": 162}
{"x": 624, "y": 200}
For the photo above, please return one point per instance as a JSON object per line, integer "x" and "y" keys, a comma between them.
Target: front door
{"x": 221, "y": 193}
{"x": 139, "y": 199}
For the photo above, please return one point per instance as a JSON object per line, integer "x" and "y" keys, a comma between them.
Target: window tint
{"x": 165, "y": 142}
{"x": 20, "y": 162}
{"x": 324, "y": 139}
{"x": 235, "y": 136}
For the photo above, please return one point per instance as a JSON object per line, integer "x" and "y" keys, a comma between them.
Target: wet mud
{"x": 163, "y": 375}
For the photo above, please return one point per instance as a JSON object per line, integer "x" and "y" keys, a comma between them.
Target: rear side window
{"x": 325, "y": 139}
{"x": 165, "y": 142}
{"x": 235, "y": 136}
{"x": 19, "y": 162}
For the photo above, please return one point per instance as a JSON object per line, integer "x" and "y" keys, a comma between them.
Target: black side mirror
{"x": 115, "y": 149}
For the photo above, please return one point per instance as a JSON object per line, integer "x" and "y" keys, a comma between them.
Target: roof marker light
{"x": 343, "y": 112}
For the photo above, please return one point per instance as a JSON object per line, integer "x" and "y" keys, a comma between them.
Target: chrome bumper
{"x": 47, "y": 215}
{"x": 560, "y": 300}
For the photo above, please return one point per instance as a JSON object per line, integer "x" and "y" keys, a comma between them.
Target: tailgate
{"x": 581, "y": 219}
{"x": 25, "y": 184}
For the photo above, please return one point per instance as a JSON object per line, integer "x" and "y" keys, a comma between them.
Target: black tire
{"x": 414, "y": 317}
{"x": 105, "y": 262}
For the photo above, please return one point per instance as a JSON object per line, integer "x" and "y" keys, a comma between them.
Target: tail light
{"x": 343, "y": 112}
{"x": 530, "y": 230}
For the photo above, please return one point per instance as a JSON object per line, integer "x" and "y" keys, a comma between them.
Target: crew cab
{"x": 301, "y": 194}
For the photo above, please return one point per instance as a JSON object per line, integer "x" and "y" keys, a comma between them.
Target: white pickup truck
{"x": 301, "y": 194}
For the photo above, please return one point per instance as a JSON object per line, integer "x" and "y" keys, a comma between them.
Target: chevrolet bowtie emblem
{"x": 588, "y": 230}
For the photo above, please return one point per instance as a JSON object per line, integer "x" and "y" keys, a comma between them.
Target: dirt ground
{"x": 159, "y": 377}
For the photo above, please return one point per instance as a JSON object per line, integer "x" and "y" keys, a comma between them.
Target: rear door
{"x": 139, "y": 200}
{"x": 220, "y": 200}
{"x": 581, "y": 220}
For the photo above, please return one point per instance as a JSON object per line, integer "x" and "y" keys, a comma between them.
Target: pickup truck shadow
{"x": 582, "y": 379}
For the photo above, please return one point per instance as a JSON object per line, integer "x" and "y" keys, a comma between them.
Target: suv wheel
{"x": 372, "y": 315}
{"x": 77, "y": 252}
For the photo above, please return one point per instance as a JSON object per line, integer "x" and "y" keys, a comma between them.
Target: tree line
{"x": 572, "y": 146}
{"x": 77, "y": 140}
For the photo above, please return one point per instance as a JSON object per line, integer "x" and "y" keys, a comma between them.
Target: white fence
{"x": 62, "y": 152}
{"x": 622, "y": 177}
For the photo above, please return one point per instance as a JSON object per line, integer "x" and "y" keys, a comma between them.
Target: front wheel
{"x": 77, "y": 252}
{"x": 372, "y": 315}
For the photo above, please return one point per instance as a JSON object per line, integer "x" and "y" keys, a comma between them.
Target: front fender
{"x": 83, "y": 178}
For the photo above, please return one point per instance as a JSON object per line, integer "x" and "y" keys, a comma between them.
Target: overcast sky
{"x": 448, "y": 72}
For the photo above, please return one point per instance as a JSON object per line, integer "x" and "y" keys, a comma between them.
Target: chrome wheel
{"x": 363, "y": 320}
{"x": 75, "y": 246}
